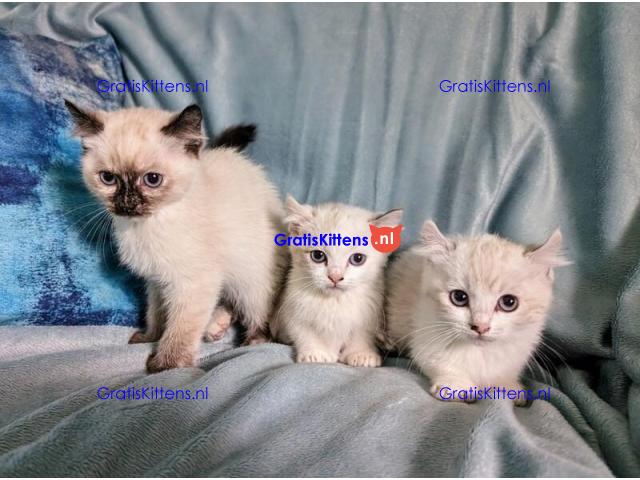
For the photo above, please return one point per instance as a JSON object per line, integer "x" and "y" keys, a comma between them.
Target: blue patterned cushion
{"x": 57, "y": 265}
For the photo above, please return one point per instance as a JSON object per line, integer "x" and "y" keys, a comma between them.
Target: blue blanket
{"x": 350, "y": 107}
{"x": 58, "y": 266}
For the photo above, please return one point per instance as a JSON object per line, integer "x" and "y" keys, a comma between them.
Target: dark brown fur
{"x": 128, "y": 199}
{"x": 187, "y": 126}
{"x": 86, "y": 123}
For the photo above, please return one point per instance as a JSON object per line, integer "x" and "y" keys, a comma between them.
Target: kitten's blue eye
{"x": 508, "y": 303}
{"x": 318, "y": 256}
{"x": 357, "y": 259}
{"x": 107, "y": 178}
{"x": 152, "y": 179}
{"x": 459, "y": 298}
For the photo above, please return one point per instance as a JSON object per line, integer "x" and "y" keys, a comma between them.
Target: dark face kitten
{"x": 136, "y": 160}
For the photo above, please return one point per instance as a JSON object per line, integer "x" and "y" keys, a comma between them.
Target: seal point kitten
{"x": 197, "y": 224}
{"x": 470, "y": 311}
{"x": 332, "y": 305}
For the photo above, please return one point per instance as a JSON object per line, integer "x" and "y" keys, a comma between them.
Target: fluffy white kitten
{"x": 197, "y": 224}
{"x": 332, "y": 306}
{"x": 470, "y": 310}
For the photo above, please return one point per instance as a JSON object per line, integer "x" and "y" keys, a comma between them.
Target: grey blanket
{"x": 264, "y": 416}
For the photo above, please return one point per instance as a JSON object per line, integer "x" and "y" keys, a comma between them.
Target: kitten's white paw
{"x": 256, "y": 339}
{"x": 160, "y": 361}
{"x": 448, "y": 391}
{"x": 142, "y": 337}
{"x": 218, "y": 326}
{"x": 316, "y": 356}
{"x": 518, "y": 402}
{"x": 214, "y": 333}
{"x": 363, "y": 359}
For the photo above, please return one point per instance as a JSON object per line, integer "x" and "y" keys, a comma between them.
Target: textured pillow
{"x": 57, "y": 264}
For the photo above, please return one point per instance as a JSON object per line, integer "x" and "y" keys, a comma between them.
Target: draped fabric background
{"x": 348, "y": 106}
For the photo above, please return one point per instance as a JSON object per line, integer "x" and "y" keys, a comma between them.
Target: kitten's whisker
{"x": 96, "y": 224}
{"x": 78, "y": 220}
{"x": 104, "y": 230}
{"x": 544, "y": 344}
{"x": 433, "y": 326}
{"x": 407, "y": 349}
{"x": 111, "y": 241}
{"x": 446, "y": 337}
{"x": 542, "y": 371}
{"x": 545, "y": 367}
{"x": 89, "y": 223}
{"x": 84, "y": 205}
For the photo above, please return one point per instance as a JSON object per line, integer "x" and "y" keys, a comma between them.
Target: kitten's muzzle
{"x": 335, "y": 276}
{"x": 128, "y": 212}
{"x": 480, "y": 328}
{"x": 128, "y": 201}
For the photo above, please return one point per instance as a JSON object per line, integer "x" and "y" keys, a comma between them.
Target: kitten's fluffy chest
{"x": 154, "y": 246}
{"x": 140, "y": 243}
{"x": 336, "y": 311}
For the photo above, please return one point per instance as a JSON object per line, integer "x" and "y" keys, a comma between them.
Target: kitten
{"x": 470, "y": 310}
{"x": 197, "y": 224}
{"x": 331, "y": 308}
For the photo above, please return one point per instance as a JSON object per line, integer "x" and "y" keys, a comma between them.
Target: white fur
{"x": 209, "y": 237}
{"x": 328, "y": 323}
{"x": 437, "y": 335}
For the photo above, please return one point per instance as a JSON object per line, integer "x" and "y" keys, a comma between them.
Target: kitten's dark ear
{"x": 187, "y": 127}
{"x": 391, "y": 218}
{"x": 86, "y": 123}
{"x": 549, "y": 254}
{"x": 433, "y": 243}
{"x": 299, "y": 217}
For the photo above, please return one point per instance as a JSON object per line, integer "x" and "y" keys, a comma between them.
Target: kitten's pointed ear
{"x": 549, "y": 254}
{"x": 388, "y": 219}
{"x": 187, "y": 127}
{"x": 86, "y": 123}
{"x": 433, "y": 242}
{"x": 299, "y": 217}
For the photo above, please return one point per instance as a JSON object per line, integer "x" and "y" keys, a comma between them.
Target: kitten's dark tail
{"x": 236, "y": 136}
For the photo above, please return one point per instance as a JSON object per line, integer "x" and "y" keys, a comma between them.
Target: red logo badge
{"x": 385, "y": 239}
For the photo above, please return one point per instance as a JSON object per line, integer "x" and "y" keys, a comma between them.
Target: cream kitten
{"x": 470, "y": 310}
{"x": 331, "y": 308}
{"x": 197, "y": 224}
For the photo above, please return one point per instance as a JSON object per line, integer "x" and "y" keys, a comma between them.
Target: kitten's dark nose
{"x": 127, "y": 211}
{"x": 128, "y": 201}
{"x": 481, "y": 329}
{"x": 129, "y": 206}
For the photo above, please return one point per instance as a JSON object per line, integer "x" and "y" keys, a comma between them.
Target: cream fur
{"x": 208, "y": 238}
{"x": 327, "y": 323}
{"x": 436, "y": 334}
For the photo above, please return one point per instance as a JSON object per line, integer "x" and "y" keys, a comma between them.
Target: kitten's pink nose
{"x": 481, "y": 328}
{"x": 335, "y": 276}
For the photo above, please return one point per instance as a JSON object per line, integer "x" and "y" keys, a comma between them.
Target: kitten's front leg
{"x": 154, "y": 318}
{"x": 189, "y": 309}
{"x": 219, "y": 324}
{"x": 360, "y": 351}
{"x": 311, "y": 348}
{"x": 521, "y": 401}
{"x": 255, "y": 302}
{"x": 452, "y": 388}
